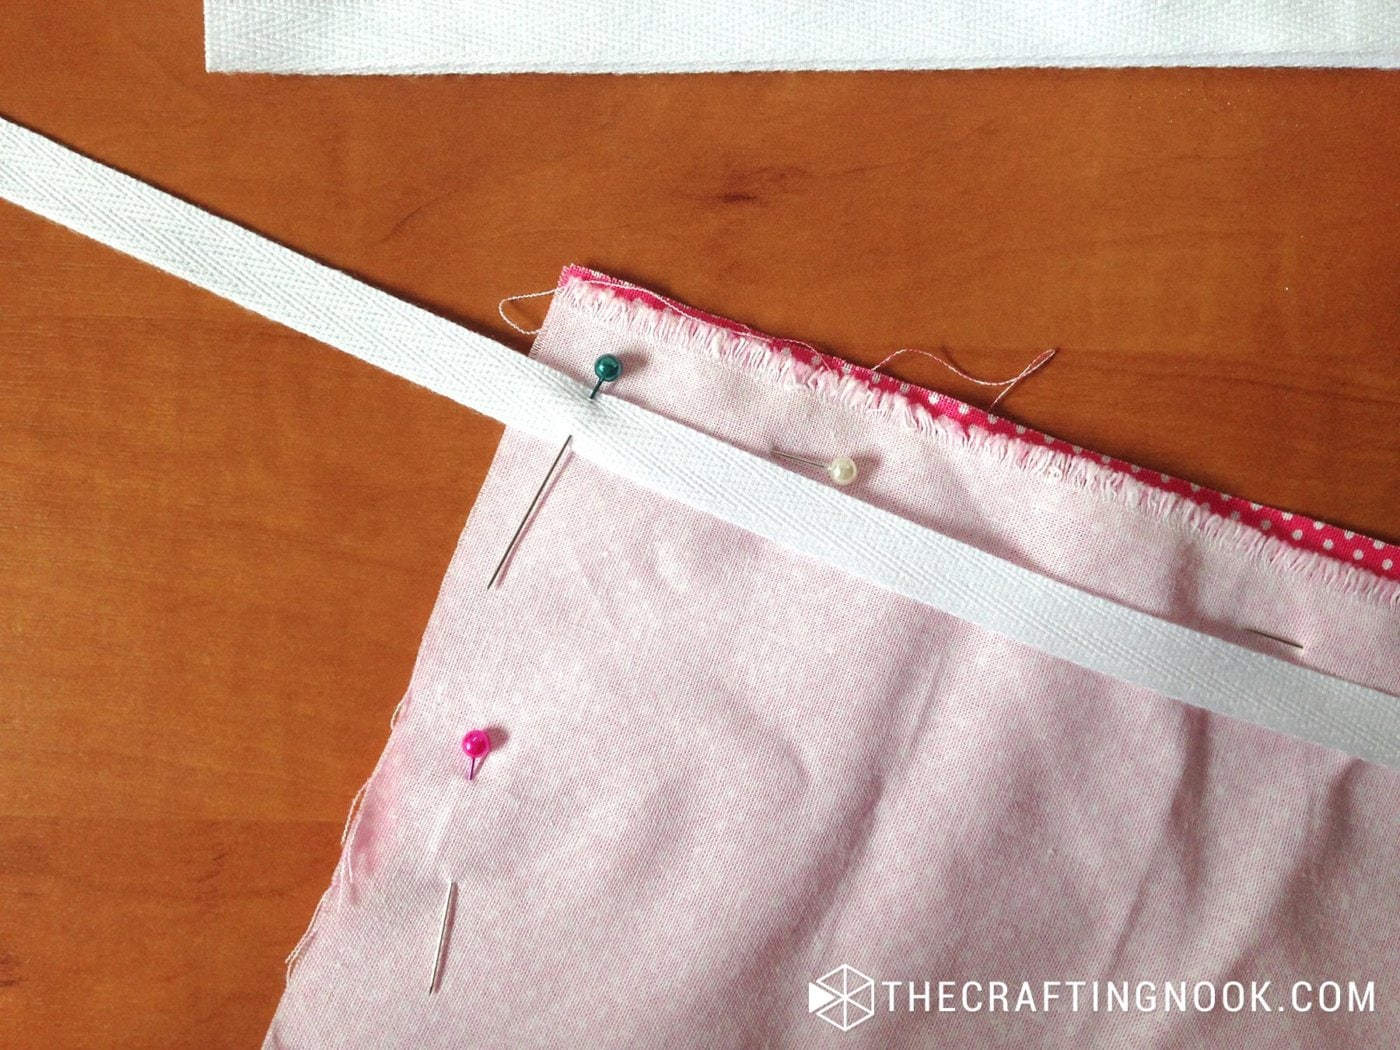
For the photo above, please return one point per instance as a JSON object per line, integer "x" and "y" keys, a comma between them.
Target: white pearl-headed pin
{"x": 842, "y": 470}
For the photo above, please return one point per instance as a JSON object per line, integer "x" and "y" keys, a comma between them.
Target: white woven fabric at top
{"x": 622, "y": 36}
{"x": 797, "y": 512}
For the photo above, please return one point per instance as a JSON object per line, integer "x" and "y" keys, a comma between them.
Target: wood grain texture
{"x": 220, "y": 541}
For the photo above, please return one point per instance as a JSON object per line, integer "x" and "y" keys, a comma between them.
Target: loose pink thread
{"x": 1041, "y": 359}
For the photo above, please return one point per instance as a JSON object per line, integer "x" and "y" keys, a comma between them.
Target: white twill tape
{"x": 797, "y": 512}
{"x": 627, "y": 36}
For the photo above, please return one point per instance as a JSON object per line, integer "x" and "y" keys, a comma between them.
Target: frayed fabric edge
{"x": 775, "y": 361}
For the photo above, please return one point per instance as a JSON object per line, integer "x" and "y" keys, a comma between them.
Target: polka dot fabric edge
{"x": 1295, "y": 530}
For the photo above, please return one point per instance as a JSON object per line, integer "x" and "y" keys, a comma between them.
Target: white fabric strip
{"x": 623, "y": 36}
{"x": 797, "y": 512}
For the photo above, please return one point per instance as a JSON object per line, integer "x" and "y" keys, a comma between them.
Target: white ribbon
{"x": 787, "y": 508}
{"x": 686, "y": 36}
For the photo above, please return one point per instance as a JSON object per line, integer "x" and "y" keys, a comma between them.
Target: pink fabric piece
{"x": 720, "y": 771}
{"x": 1295, "y": 530}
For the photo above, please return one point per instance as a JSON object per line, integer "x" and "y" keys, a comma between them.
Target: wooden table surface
{"x": 220, "y": 541}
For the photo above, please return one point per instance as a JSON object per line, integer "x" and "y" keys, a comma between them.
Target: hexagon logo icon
{"x": 844, "y": 997}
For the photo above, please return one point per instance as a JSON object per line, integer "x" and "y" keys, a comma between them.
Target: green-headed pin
{"x": 607, "y": 368}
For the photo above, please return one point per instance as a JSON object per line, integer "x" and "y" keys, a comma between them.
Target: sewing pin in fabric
{"x": 1275, "y": 638}
{"x": 841, "y": 470}
{"x": 447, "y": 908}
{"x": 607, "y": 368}
{"x": 477, "y": 745}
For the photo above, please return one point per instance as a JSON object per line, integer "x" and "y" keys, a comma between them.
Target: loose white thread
{"x": 501, "y": 309}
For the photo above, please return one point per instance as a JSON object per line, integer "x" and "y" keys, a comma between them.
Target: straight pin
{"x": 841, "y": 470}
{"x": 607, "y": 368}
{"x": 477, "y": 745}
{"x": 1275, "y": 638}
{"x": 529, "y": 510}
{"x": 448, "y": 907}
